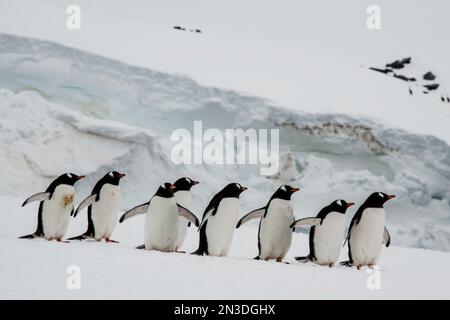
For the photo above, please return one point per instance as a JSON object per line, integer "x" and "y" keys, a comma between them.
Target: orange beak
{"x": 81, "y": 177}
{"x": 350, "y": 204}
{"x": 391, "y": 196}
{"x": 295, "y": 190}
{"x": 244, "y": 188}
{"x": 172, "y": 187}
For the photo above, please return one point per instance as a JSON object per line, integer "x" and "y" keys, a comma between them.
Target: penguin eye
{"x": 69, "y": 176}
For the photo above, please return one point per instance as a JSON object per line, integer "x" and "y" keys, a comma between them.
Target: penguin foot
{"x": 111, "y": 240}
{"x": 180, "y": 251}
{"x": 257, "y": 258}
{"x": 141, "y": 247}
{"x": 331, "y": 265}
{"x": 63, "y": 241}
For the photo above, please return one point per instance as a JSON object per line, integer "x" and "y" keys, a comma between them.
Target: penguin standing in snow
{"x": 325, "y": 238}
{"x": 217, "y": 226}
{"x": 182, "y": 193}
{"x": 275, "y": 231}
{"x": 161, "y": 220}
{"x": 55, "y": 208}
{"x": 103, "y": 208}
{"x": 367, "y": 232}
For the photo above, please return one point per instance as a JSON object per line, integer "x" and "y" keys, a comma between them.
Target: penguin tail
{"x": 345, "y": 263}
{"x": 141, "y": 247}
{"x": 302, "y": 259}
{"x": 29, "y": 236}
{"x": 80, "y": 237}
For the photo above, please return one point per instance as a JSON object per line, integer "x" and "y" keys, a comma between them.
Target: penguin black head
{"x": 340, "y": 206}
{"x": 165, "y": 190}
{"x": 285, "y": 192}
{"x": 67, "y": 178}
{"x": 377, "y": 200}
{"x": 232, "y": 190}
{"x": 184, "y": 184}
{"x": 113, "y": 177}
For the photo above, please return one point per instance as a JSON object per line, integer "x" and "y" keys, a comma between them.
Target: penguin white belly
{"x": 220, "y": 227}
{"x": 184, "y": 199}
{"x": 275, "y": 236}
{"x": 161, "y": 224}
{"x": 328, "y": 238}
{"x": 105, "y": 212}
{"x": 56, "y": 212}
{"x": 367, "y": 236}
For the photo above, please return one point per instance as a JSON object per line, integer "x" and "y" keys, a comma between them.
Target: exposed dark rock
{"x": 406, "y": 60}
{"x": 429, "y": 76}
{"x": 425, "y": 92}
{"x": 410, "y": 91}
{"x": 431, "y": 87}
{"x": 381, "y": 70}
{"x": 397, "y": 64}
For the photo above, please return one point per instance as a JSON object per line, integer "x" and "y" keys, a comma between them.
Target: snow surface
{"x": 37, "y": 269}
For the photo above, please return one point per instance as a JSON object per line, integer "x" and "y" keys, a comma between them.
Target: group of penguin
{"x": 168, "y": 216}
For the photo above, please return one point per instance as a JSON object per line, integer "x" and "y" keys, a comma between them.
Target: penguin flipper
{"x": 85, "y": 203}
{"x": 206, "y": 216}
{"x": 306, "y": 221}
{"x": 140, "y": 209}
{"x": 255, "y": 214}
{"x": 142, "y": 246}
{"x": 182, "y": 211}
{"x": 386, "y": 237}
{"x": 41, "y": 196}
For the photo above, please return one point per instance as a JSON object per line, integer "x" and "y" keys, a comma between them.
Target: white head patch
{"x": 339, "y": 202}
{"x": 238, "y": 185}
{"x": 69, "y": 175}
{"x": 283, "y": 188}
{"x": 163, "y": 186}
{"x": 188, "y": 180}
{"x": 380, "y": 194}
{"x": 111, "y": 174}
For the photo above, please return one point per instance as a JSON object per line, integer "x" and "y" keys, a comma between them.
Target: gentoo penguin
{"x": 275, "y": 231}
{"x": 182, "y": 193}
{"x": 325, "y": 238}
{"x": 217, "y": 226}
{"x": 103, "y": 208}
{"x": 161, "y": 220}
{"x": 367, "y": 232}
{"x": 55, "y": 208}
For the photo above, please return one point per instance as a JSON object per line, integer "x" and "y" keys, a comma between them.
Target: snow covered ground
{"x": 38, "y": 268}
